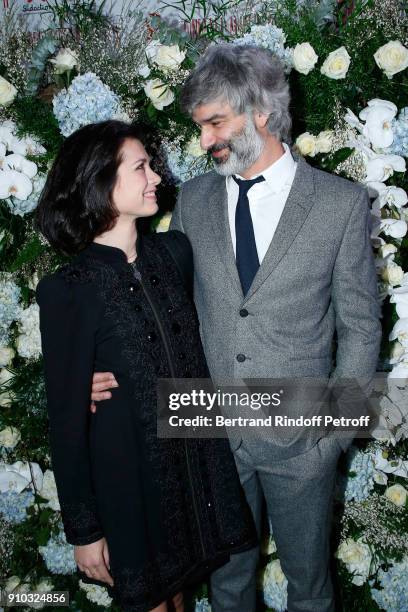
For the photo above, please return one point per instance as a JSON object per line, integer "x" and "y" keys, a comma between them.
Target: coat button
{"x": 154, "y": 280}
{"x": 243, "y": 312}
{"x": 170, "y": 309}
{"x": 241, "y": 358}
{"x": 181, "y": 356}
{"x": 133, "y": 287}
{"x": 151, "y": 336}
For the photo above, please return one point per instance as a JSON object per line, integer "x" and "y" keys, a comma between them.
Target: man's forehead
{"x": 204, "y": 113}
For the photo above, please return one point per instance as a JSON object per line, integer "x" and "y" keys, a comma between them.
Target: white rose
{"x": 306, "y": 144}
{"x": 9, "y": 437}
{"x": 356, "y": 556}
{"x": 64, "y": 61}
{"x": 168, "y": 57}
{"x": 397, "y": 351}
{"x": 336, "y": 64}
{"x": 392, "y": 58}
{"x": 164, "y": 223}
{"x": 387, "y": 250}
{"x": 397, "y": 494}
{"x": 194, "y": 149}
{"x": 273, "y": 572}
{"x": 7, "y": 92}
{"x": 6, "y": 356}
{"x": 392, "y": 274}
{"x": 324, "y": 141}
{"x": 304, "y": 57}
{"x": 159, "y": 94}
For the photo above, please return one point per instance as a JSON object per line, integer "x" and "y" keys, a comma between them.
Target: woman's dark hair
{"x": 76, "y": 204}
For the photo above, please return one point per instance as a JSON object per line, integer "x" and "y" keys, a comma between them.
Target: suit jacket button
{"x": 241, "y": 358}
{"x": 243, "y": 312}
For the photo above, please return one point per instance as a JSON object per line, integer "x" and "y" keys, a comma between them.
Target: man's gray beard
{"x": 247, "y": 147}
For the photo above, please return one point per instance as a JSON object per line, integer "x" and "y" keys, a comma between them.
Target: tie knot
{"x": 245, "y": 186}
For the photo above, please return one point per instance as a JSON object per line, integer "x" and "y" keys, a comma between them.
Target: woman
{"x": 146, "y": 515}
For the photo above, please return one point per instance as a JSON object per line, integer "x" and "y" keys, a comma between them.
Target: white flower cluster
{"x": 20, "y": 183}
{"x": 167, "y": 59}
{"x": 358, "y": 559}
{"x": 96, "y": 594}
{"x": 374, "y": 137}
{"x": 15, "y": 585}
{"x": 9, "y": 306}
{"x": 29, "y": 340}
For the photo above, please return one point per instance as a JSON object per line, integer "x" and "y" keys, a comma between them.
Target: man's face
{"x": 232, "y": 140}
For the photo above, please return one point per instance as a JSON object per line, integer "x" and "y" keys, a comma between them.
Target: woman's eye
{"x": 139, "y": 167}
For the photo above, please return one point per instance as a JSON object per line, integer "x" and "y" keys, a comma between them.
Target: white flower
{"x": 392, "y": 58}
{"x": 169, "y": 57}
{"x": 399, "y": 297}
{"x": 17, "y": 476}
{"x": 400, "y": 332}
{"x": 397, "y": 350}
{"x": 397, "y": 228}
{"x": 7, "y": 129}
{"x": 268, "y": 545}
{"x": 15, "y": 161}
{"x": 159, "y": 94}
{"x": 6, "y": 356}
{"x": 336, "y": 64}
{"x": 306, "y": 144}
{"x": 33, "y": 281}
{"x": 193, "y": 148}
{"x": 151, "y": 50}
{"x": 380, "y": 167}
{"x": 144, "y": 71}
{"x": 9, "y": 437}
{"x": 391, "y": 196}
{"x": 378, "y": 116}
{"x": 49, "y": 490}
{"x": 96, "y": 594}
{"x": 7, "y": 92}
{"x": 64, "y": 61}
{"x": 164, "y": 223}
{"x": 304, "y": 58}
{"x": 26, "y": 146}
{"x": 324, "y": 141}
{"x": 397, "y": 494}
{"x": 357, "y": 557}
{"x": 392, "y": 273}
{"x": 400, "y": 372}
{"x": 29, "y": 341}
{"x": 13, "y": 183}
{"x": 387, "y": 250}
{"x": 44, "y": 586}
{"x": 397, "y": 466}
{"x": 380, "y": 478}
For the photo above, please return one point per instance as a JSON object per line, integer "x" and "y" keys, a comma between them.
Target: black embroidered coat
{"x": 170, "y": 510}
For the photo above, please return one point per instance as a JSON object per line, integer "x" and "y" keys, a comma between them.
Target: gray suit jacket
{"x": 317, "y": 278}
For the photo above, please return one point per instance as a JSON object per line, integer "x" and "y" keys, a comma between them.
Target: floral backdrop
{"x": 347, "y": 63}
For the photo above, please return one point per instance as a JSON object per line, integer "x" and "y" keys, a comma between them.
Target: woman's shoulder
{"x": 69, "y": 280}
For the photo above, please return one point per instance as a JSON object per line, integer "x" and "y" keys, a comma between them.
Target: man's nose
{"x": 207, "y": 138}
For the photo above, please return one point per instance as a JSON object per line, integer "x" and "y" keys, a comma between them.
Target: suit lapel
{"x": 297, "y": 207}
{"x": 218, "y": 202}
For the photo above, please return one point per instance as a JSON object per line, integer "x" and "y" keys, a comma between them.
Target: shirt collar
{"x": 278, "y": 174}
{"x": 110, "y": 254}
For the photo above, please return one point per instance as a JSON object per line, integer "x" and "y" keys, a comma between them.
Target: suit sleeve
{"x": 176, "y": 220}
{"x": 354, "y": 295}
{"x": 68, "y": 346}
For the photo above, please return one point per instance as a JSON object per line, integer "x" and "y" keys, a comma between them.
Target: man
{"x": 283, "y": 261}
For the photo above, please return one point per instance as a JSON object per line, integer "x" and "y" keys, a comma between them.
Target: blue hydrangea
{"x": 400, "y": 130}
{"x": 202, "y": 605}
{"x": 87, "y": 100}
{"x": 275, "y": 586}
{"x": 13, "y": 505}
{"x": 9, "y": 306}
{"x": 268, "y": 37}
{"x": 182, "y": 165}
{"x": 23, "y": 207}
{"x": 359, "y": 482}
{"x": 393, "y": 595}
{"x": 59, "y": 555}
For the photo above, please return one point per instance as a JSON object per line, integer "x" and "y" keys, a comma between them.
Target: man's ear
{"x": 261, "y": 119}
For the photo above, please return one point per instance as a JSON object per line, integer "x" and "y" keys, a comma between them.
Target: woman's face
{"x": 134, "y": 193}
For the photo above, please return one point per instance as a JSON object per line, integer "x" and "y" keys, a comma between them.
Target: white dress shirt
{"x": 266, "y": 200}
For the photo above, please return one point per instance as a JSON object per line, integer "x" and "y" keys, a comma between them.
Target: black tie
{"x": 246, "y": 253}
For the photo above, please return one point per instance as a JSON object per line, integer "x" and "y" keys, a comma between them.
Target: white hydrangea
{"x": 29, "y": 341}
{"x": 96, "y": 594}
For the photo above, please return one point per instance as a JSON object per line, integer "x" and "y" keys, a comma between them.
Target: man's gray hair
{"x": 248, "y": 78}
